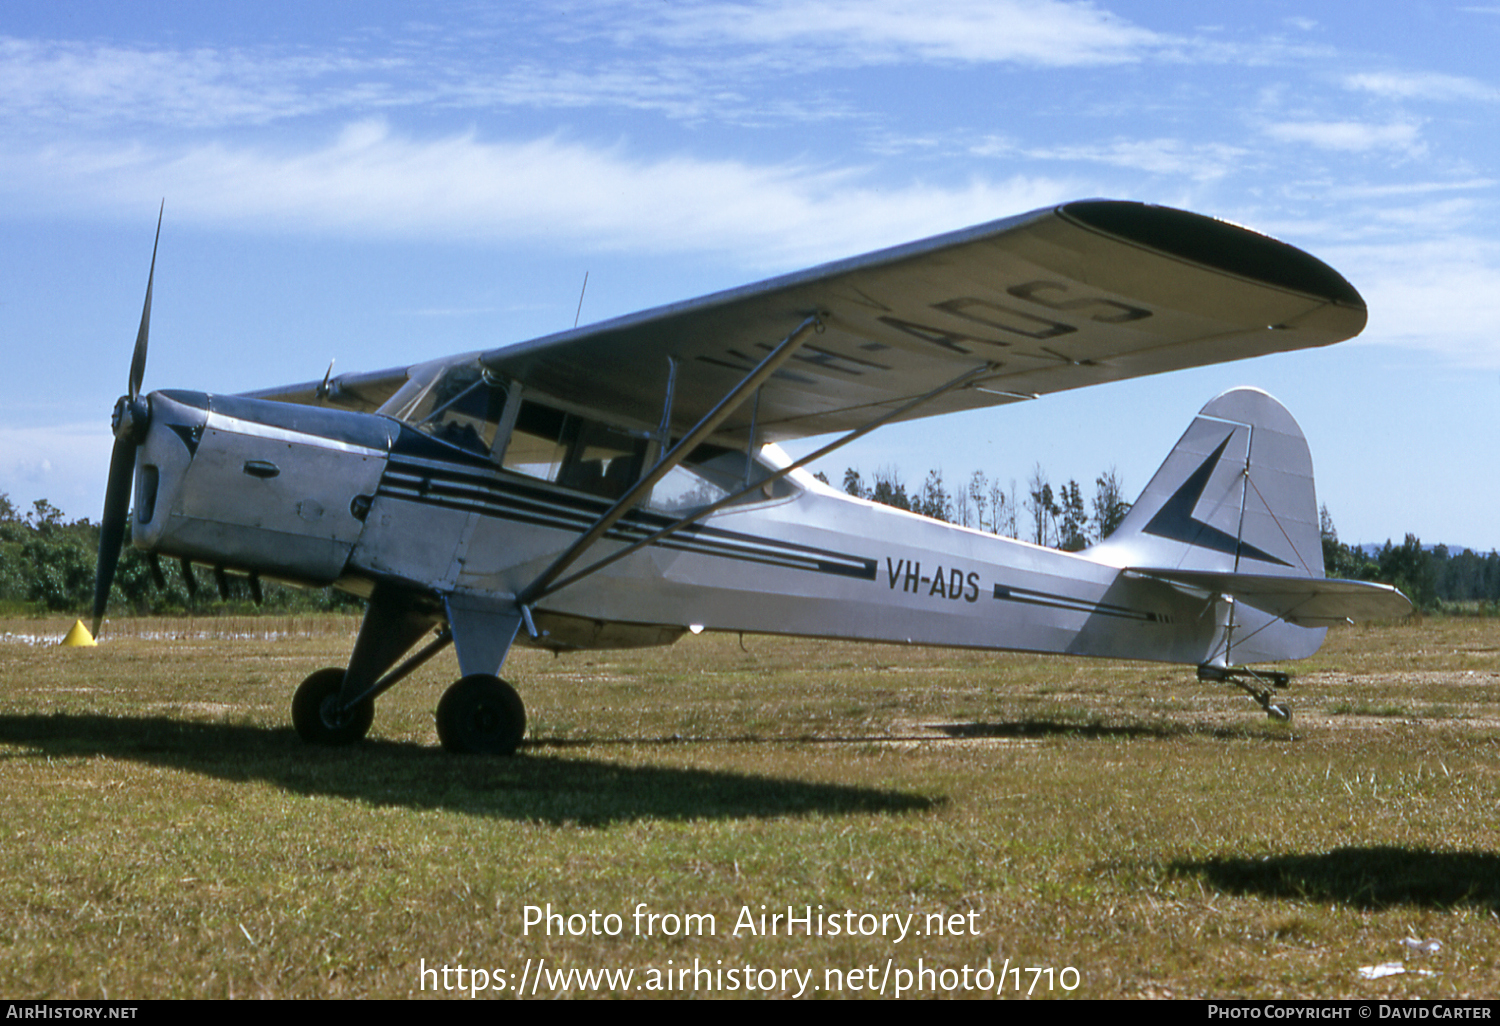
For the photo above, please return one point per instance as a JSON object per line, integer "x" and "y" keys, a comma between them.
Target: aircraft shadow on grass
{"x": 536, "y": 788}
{"x": 1037, "y": 729}
{"x": 1372, "y": 878}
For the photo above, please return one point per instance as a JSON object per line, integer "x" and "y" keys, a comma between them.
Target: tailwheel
{"x": 319, "y": 717}
{"x": 1259, "y": 685}
{"x": 481, "y": 715}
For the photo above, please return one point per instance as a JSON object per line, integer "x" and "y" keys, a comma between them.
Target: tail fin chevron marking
{"x": 1175, "y": 521}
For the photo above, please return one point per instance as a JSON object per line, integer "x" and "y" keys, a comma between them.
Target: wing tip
{"x": 1214, "y": 243}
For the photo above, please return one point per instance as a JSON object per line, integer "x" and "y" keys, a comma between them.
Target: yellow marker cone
{"x": 79, "y": 636}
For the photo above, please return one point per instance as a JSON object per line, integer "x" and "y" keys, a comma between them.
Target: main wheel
{"x": 315, "y": 711}
{"x": 481, "y": 715}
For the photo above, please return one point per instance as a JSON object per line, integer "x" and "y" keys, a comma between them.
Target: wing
{"x": 364, "y": 392}
{"x": 1076, "y": 295}
{"x": 1304, "y": 601}
{"x": 1088, "y": 292}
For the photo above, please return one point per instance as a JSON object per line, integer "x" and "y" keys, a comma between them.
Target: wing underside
{"x": 1081, "y": 294}
{"x": 1085, "y": 293}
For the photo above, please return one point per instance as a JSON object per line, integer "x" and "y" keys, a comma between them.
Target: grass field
{"x": 165, "y": 834}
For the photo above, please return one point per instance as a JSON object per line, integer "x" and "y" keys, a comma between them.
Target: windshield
{"x": 460, "y": 405}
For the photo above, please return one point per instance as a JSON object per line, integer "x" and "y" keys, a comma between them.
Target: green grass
{"x": 164, "y": 832}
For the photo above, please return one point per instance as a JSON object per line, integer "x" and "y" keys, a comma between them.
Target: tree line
{"x": 1055, "y": 518}
{"x": 1436, "y": 579}
{"x": 47, "y": 563}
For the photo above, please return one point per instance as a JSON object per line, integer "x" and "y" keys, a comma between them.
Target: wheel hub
{"x": 333, "y": 713}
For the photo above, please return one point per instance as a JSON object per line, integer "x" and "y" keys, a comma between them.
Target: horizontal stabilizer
{"x": 1304, "y": 601}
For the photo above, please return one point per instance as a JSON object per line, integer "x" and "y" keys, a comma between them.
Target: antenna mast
{"x": 581, "y": 291}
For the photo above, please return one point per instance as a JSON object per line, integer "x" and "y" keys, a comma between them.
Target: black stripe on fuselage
{"x": 1027, "y": 596}
{"x": 468, "y": 490}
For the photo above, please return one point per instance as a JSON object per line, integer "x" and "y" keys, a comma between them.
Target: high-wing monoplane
{"x": 620, "y": 484}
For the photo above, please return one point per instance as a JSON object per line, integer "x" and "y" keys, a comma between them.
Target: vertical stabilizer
{"x": 1234, "y": 496}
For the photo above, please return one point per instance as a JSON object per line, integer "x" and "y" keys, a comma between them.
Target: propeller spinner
{"x": 131, "y": 418}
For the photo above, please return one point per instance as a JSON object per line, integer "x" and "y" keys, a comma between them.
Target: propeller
{"x": 131, "y": 418}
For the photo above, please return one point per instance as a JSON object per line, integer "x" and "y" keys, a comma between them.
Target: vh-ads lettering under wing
{"x": 1080, "y": 294}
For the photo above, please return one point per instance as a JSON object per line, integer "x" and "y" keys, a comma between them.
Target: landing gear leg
{"x": 336, "y": 707}
{"x": 1259, "y": 685}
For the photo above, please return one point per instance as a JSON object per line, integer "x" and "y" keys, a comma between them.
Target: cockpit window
{"x": 588, "y": 456}
{"x": 709, "y": 474}
{"x": 574, "y": 452}
{"x": 462, "y": 407}
{"x": 466, "y": 407}
{"x": 409, "y": 396}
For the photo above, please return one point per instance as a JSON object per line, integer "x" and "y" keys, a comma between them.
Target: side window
{"x": 588, "y": 456}
{"x": 574, "y": 452}
{"x": 709, "y": 474}
{"x": 536, "y": 447}
{"x": 683, "y": 490}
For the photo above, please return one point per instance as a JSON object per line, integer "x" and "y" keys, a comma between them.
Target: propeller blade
{"x": 112, "y": 525}
{"x": 188, "y": 578}
{"x": 130, "y": 420}
{"x": 138, "y": 360}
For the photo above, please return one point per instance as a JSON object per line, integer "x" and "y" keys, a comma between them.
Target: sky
{"x": 377, "y": 183}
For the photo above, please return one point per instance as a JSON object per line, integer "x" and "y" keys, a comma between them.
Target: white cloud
{"x": 723, "y": 60}
{"x": 1048, "y": 33}
{"x": 1415, "y": 188}
{"x": 687, "y": 62}
{"x": 1173, "y": 157}
{"x": 1426, "y": 86}
{"x": 53, "y": 83}
{"x": 1440, "y": 296}
{"x": 49, "y": 82}
{"x": 1349, "y": 136}
{"x": 1437, "y": 216}
{"x": 372, "y": 182}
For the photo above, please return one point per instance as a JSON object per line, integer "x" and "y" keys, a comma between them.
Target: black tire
{"x": 315, "y": 708}
{"x": 481, "y": 715}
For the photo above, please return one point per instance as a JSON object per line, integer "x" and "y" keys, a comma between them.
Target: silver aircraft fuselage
{"x": 362, "y": 501}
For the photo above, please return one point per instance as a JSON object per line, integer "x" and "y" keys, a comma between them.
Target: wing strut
{"x": 664, "y": 431}
{"x": 699, "y": 514}
{"x": 705, "y": 427}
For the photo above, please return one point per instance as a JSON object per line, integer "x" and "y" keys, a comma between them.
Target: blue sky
{"x": 379, "y": 183}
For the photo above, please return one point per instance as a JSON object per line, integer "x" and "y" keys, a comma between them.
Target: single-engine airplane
{"x": 619, "y": 484}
